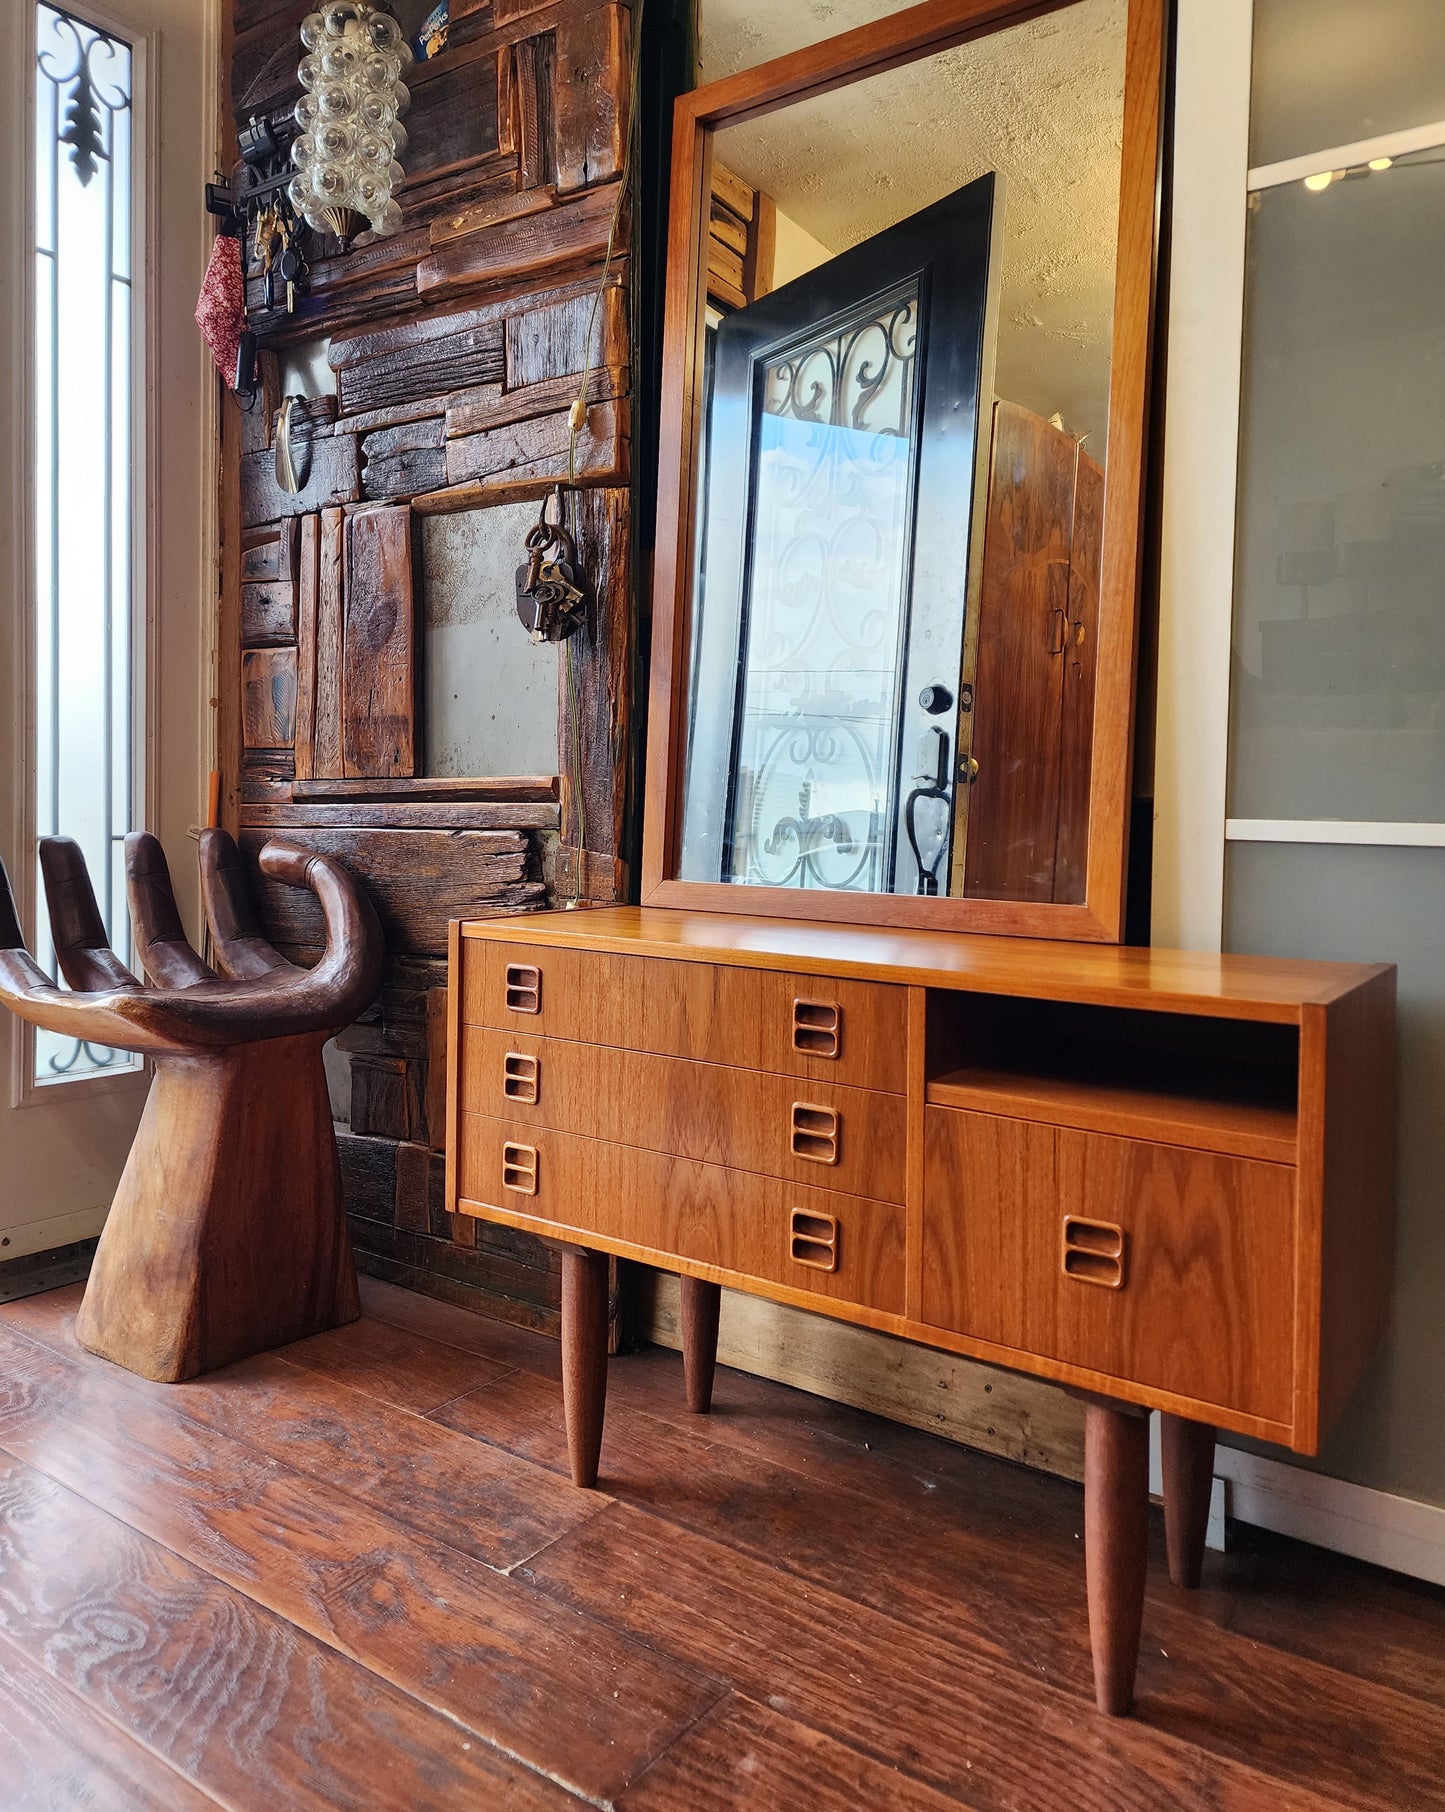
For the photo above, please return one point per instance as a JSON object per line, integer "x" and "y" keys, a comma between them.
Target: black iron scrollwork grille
{"x": 85, "y": 244}
{"x": 830, "y": 555}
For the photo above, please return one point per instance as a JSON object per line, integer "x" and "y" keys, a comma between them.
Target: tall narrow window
{"x": 85, "y": 781}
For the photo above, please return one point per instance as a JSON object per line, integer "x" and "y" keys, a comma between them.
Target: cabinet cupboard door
{"x": 1169, "y": 1267}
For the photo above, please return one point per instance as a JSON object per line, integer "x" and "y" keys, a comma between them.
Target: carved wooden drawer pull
{"x": 813, "y": 1240}
{"x": 521, "y": 1078}
{"x": 524, "y": 987}
{"x": 519, "y": 1168}
{"x": 1094, "y": 1252}
{"x": 815, "y": 1133}
{"x": 818, "y": 1028}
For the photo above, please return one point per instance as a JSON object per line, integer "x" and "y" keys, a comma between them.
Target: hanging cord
{"x": 576, "y": 421}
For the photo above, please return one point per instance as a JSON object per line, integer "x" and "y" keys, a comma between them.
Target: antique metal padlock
{"x": 551, "y": 600}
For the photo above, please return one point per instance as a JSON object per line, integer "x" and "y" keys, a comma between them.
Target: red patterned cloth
{"x": 221, "y": 306}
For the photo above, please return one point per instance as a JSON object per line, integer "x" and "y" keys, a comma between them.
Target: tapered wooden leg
{"x": 584, "y": 1358}
{"x": 1116, "y": 1526}
{"x": 1187, "y": 1450}
{"x": 700, "y": 1304}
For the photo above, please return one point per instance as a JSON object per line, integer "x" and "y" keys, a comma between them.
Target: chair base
{"x": 227, "y": 1235}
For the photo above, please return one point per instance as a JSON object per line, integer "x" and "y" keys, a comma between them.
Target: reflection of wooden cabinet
{"x": 1034, "y": 674}
{"x": 1160, "y": 1178}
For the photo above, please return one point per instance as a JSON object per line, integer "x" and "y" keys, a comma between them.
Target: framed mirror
{"x": 911, "y": 274}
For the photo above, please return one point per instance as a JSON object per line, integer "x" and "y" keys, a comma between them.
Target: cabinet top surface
{"x": 1255, "y": 987}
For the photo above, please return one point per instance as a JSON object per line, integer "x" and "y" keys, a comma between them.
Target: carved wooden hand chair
{"x": 227, "y": 1234}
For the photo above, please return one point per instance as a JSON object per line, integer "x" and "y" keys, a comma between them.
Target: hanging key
{"x": 551, "y": 602}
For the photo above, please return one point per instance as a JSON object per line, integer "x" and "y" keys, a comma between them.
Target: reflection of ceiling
{"x": 1040, "y": 102}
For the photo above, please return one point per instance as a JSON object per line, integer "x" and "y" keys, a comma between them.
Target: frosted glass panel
{"x": 1331, "y": 72}
{"x": 1362, "y": 905}
{"x": 1339, "y": 634}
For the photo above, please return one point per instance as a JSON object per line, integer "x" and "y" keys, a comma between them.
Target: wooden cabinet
{"x": 1160, "y": 1178}
{"x": 1121, "y": 1257}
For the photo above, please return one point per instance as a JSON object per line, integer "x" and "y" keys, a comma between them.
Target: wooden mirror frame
{"x": 918, "y": 32}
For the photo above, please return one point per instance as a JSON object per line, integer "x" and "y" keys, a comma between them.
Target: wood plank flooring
{"x": 354, "y": 1574}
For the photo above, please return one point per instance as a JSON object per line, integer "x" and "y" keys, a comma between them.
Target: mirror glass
{"x": 898, "y": 486}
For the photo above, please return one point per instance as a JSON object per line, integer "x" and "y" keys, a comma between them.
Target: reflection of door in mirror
{"x": 833, "y": 564}
{"x": 1028, "y": 803}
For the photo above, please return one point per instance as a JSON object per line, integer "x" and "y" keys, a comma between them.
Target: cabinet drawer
{"x": 837, "y": 1246}
{"x": 1169, "y": 1267}
{"x": 847, "y": 1032}
{"x": 814, "y": 1133}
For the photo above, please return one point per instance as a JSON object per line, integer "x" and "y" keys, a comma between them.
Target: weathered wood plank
{"x": 551, "y": 340}
{"x": 268, "y": 697}
{"x": 590, "y": 94}
{"x": 404, "y": 474}
{"x": 218, "y": 1689}
{"x": 378, "y": 675}
{"x": 268, "y": 613}
{"x": 268, "y": 552}
{"x": 326, "y": 752}
{"x": 534, "y": 128}
{"x": 333, "y": 476}
{"x": 417, "y": 363}
{"x": 540, "y": 448}
{"x": 277, "y": 814}
{"x": 439, "y": 787}
{"x": 308, "y": 603}
{"x": 480, "y": 410}
{"x": 405, "y": 437}
{"x": 418, "y": 881}
{"x": 596, "y": 697}
{"x": 385, "y": 1102}
{"x": 511, "y": 250}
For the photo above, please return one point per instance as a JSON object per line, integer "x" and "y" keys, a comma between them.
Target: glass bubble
{"x": 377, "y": 112}
{"x": 306, "y": 112}
{"x": 379, "y": 71}
{"x": 308, "y": 72}
{"x": 401, "y": 98}
{"x": 334, "y": 141}
{"x": 373, "y": 151}
{"x": 336, "y": 101}
{"x": 337, "y": 18}
{"x": 395, "y": 175}
{"x": 329, "y": 182}
{"x": 390, "y": 221}
{"x": 303, "y": 151}
{"x": 384, "y": 31}
{"x": 406, "y": 53}
{"x": 313, "y": 30}
{"x": 341, "y": 62}
{"x": 371, "y": 195}
{"x": 299, "y": 193}
{"x": 399, "y": 137}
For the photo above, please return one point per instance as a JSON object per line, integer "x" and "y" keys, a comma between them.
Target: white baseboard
{"x": 1389, "y": 1531}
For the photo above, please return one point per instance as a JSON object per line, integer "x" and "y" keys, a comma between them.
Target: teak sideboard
{"x": 1160, "y": 1178}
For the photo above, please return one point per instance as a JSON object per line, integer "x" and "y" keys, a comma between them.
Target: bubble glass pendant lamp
{"x": 347, "y": 154}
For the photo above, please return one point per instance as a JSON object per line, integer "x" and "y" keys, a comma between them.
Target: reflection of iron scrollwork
{"x": 70, "y": 62}
{"x": 804, "y": 849}
{"x": 831, "y": 549}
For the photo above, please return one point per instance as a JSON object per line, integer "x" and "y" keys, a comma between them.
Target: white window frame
{"x": 26, "y": 1091}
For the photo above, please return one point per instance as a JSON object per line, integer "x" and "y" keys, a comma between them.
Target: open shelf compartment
{"x": 1212, "y": 1084}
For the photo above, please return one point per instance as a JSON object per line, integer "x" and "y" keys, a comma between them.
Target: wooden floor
{"x": 355, "y": 1575}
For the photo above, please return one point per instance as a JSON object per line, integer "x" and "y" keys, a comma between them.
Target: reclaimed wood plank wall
{"x": 458, "y": 347}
